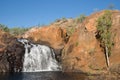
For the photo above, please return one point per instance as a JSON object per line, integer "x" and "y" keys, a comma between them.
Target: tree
{"x": 104, "y": 35}
{"x": 4, "y": 28}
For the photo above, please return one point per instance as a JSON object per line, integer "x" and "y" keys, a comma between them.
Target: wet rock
{"x": 11, "y": 53}
{"x": 15, "y": 54}
{"x": 58, "y": 54}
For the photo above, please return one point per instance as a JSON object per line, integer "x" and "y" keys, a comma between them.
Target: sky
{"x": 27, "y": 13}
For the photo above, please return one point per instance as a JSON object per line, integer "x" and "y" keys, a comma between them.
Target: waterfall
{"x": 38, "y": 58}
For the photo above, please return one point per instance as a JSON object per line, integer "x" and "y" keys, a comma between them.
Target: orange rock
{"x": 91, "y": 21}
{"x": 52, "y": 36}
{"x": 83, "y": 51}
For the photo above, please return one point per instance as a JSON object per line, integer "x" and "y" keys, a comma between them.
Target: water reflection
{"x": 44, "y": 76}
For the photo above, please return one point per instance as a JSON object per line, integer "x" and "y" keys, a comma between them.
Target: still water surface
{"x": 43, "y": 76}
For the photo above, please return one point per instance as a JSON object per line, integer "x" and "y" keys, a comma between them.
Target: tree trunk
{"x": 107, "y": 58}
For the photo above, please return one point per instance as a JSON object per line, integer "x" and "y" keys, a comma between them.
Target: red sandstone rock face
{"x": 52, "y": 36}
{"x": 115, "y": 57}
{"x": 90, "y": 24}
{"x": 91, "y": 21}
{"x": 83, "y": 51}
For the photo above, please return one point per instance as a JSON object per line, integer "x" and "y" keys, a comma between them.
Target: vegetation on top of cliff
{"x": 72, "y": 27}
{"x": 4, "y": 28}
{"x": 60, "y": 21}
{"x": 70, "y": 30}
{"x": 80, "y": 19}
{"x": 104, "y": 35}
{"x": 17, "y": 31}
{"x": 14, "y": 31}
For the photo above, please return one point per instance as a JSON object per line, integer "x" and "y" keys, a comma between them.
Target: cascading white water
{"x": 38, "y": 58}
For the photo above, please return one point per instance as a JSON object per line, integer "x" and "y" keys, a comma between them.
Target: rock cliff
{"x": 76, "y": 43}
{"x": 11, "y": 53}
{"x": 83, "y": 51}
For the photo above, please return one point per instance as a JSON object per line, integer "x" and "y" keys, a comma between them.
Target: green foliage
{"x": 62, "y": 19}
{"x": 81, "y": 18}
{"x": 103, "y": 31}
{"x": 18, "y": 31}
{"x": 14, "y": 31}
{"x": 4, "y": 28}
{"x": 92, "y": 51}
{"x": 76, "y": 44}
{"x": 70, "y": 30}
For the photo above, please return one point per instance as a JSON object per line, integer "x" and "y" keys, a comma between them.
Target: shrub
{"x": 81, "y": 18}
{"x": 76, "y": 44}
{"x": 70, "y": 30}
{"x": 18, "y": 31}
{"x": 4, "y": 28}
